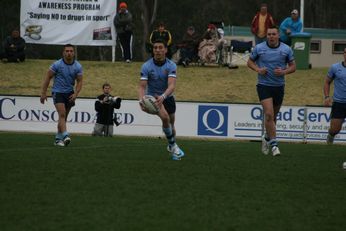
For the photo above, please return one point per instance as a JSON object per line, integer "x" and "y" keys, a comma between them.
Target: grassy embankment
{"x": 206, "y": 84}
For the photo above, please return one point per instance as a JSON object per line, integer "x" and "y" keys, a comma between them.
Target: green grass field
{"x": 130, "y": 183}
{"x": 127, "y": 183}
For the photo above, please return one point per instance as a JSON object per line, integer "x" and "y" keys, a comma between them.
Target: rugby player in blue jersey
{"x": 158, "y": 79}
{"x": 272, "y": 60}
{"x": 68, "y": 79}
{"x": 336, "y": 73}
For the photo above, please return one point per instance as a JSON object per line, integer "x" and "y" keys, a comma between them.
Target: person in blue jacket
{"x": 289, "y": 26}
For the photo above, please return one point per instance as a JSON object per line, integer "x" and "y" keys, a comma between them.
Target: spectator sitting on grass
{"x": 14, "y": 48}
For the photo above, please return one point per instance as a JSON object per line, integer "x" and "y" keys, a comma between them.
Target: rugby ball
{"x": 149, "y": 104}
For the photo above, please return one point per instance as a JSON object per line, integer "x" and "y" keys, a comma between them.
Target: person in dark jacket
{"x": 104, "y": 106}
{"x": 189, "y": 46}
{"x": 260, "y": 24}
{"x": 161, "y": 33}
{"x": 123, "y": 26}
{"x": 13, "y": 48}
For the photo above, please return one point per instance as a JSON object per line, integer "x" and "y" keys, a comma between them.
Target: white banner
{"x": 79, "y": 22}
{"x": 236, "y": 121}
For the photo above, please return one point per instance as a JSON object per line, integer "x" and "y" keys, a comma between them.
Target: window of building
{"x": 338, "y": 47}
{"x": 315, "y": 46}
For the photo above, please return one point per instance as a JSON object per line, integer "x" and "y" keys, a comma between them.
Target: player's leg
{"x": 265, "y": 98}
{"x": 61, "y": 126}
{"x": 167, "y": 129}
{"x": 68, "y": 105}
{"x": 167, "y": 114}
{"x": 278, "y": 96}
{"x": 335, "y": 127}
{"x": 170, "y": 107}
{"x": 268, "y": 112}
{"x": 166, "y": 126}
{"x": 271, "y": 100}
{"x": 273, "y": 141}
{"x": 172, "y": 121}
{"x": 59, "y": 103}
{"x": 269, "y": 118}
{"x": 268, "y": 132}
{"x": 338, "y": 114}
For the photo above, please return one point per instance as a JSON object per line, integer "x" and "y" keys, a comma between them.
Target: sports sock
{"x": 169, "y": 135}
{"x": 59, "y": 136}
{"x": 266, "y": 137}
{"x": 64, "y": 134}
{"x": 273, "y": 142}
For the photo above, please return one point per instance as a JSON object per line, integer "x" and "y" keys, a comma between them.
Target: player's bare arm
{"x": 78, "y": 88}
{"x": 261, "y": 70}
{"x": 290, "y": 69}
{"x": 45, "y": 84}
{"x": 141, "y": 92}
{"x": 326, "y": 91}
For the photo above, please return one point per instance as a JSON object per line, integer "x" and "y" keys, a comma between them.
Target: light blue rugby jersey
{"x": 271, "y": 58}
{"x": 337, "y": 72}
{"x": 65, "y": 75}
{"x": 157, "y": 76}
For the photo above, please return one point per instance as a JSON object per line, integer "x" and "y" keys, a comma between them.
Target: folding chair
{"x": 239, "y": 52}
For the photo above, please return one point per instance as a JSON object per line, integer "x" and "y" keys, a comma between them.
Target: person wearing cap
{"x": 123, "y": 26}
{"x": 211, "y": 33}
{"x": 207, "y": 48}
{"x": 189, "y": 46}
{"x": 289, "y": 26}
{"x": 260, "y": 24}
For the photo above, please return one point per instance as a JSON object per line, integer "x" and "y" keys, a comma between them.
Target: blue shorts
{"x": 169, "y": 104}
{"x": 63, "y": 98}
{"x": 277, "y": 93}
{"x": 338, "y": 111}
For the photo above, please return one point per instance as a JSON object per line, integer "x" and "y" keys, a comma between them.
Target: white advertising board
{"x": 293, "y": 123}
{"x": 88, "y": 22}
{"x": 235, "y": 121}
